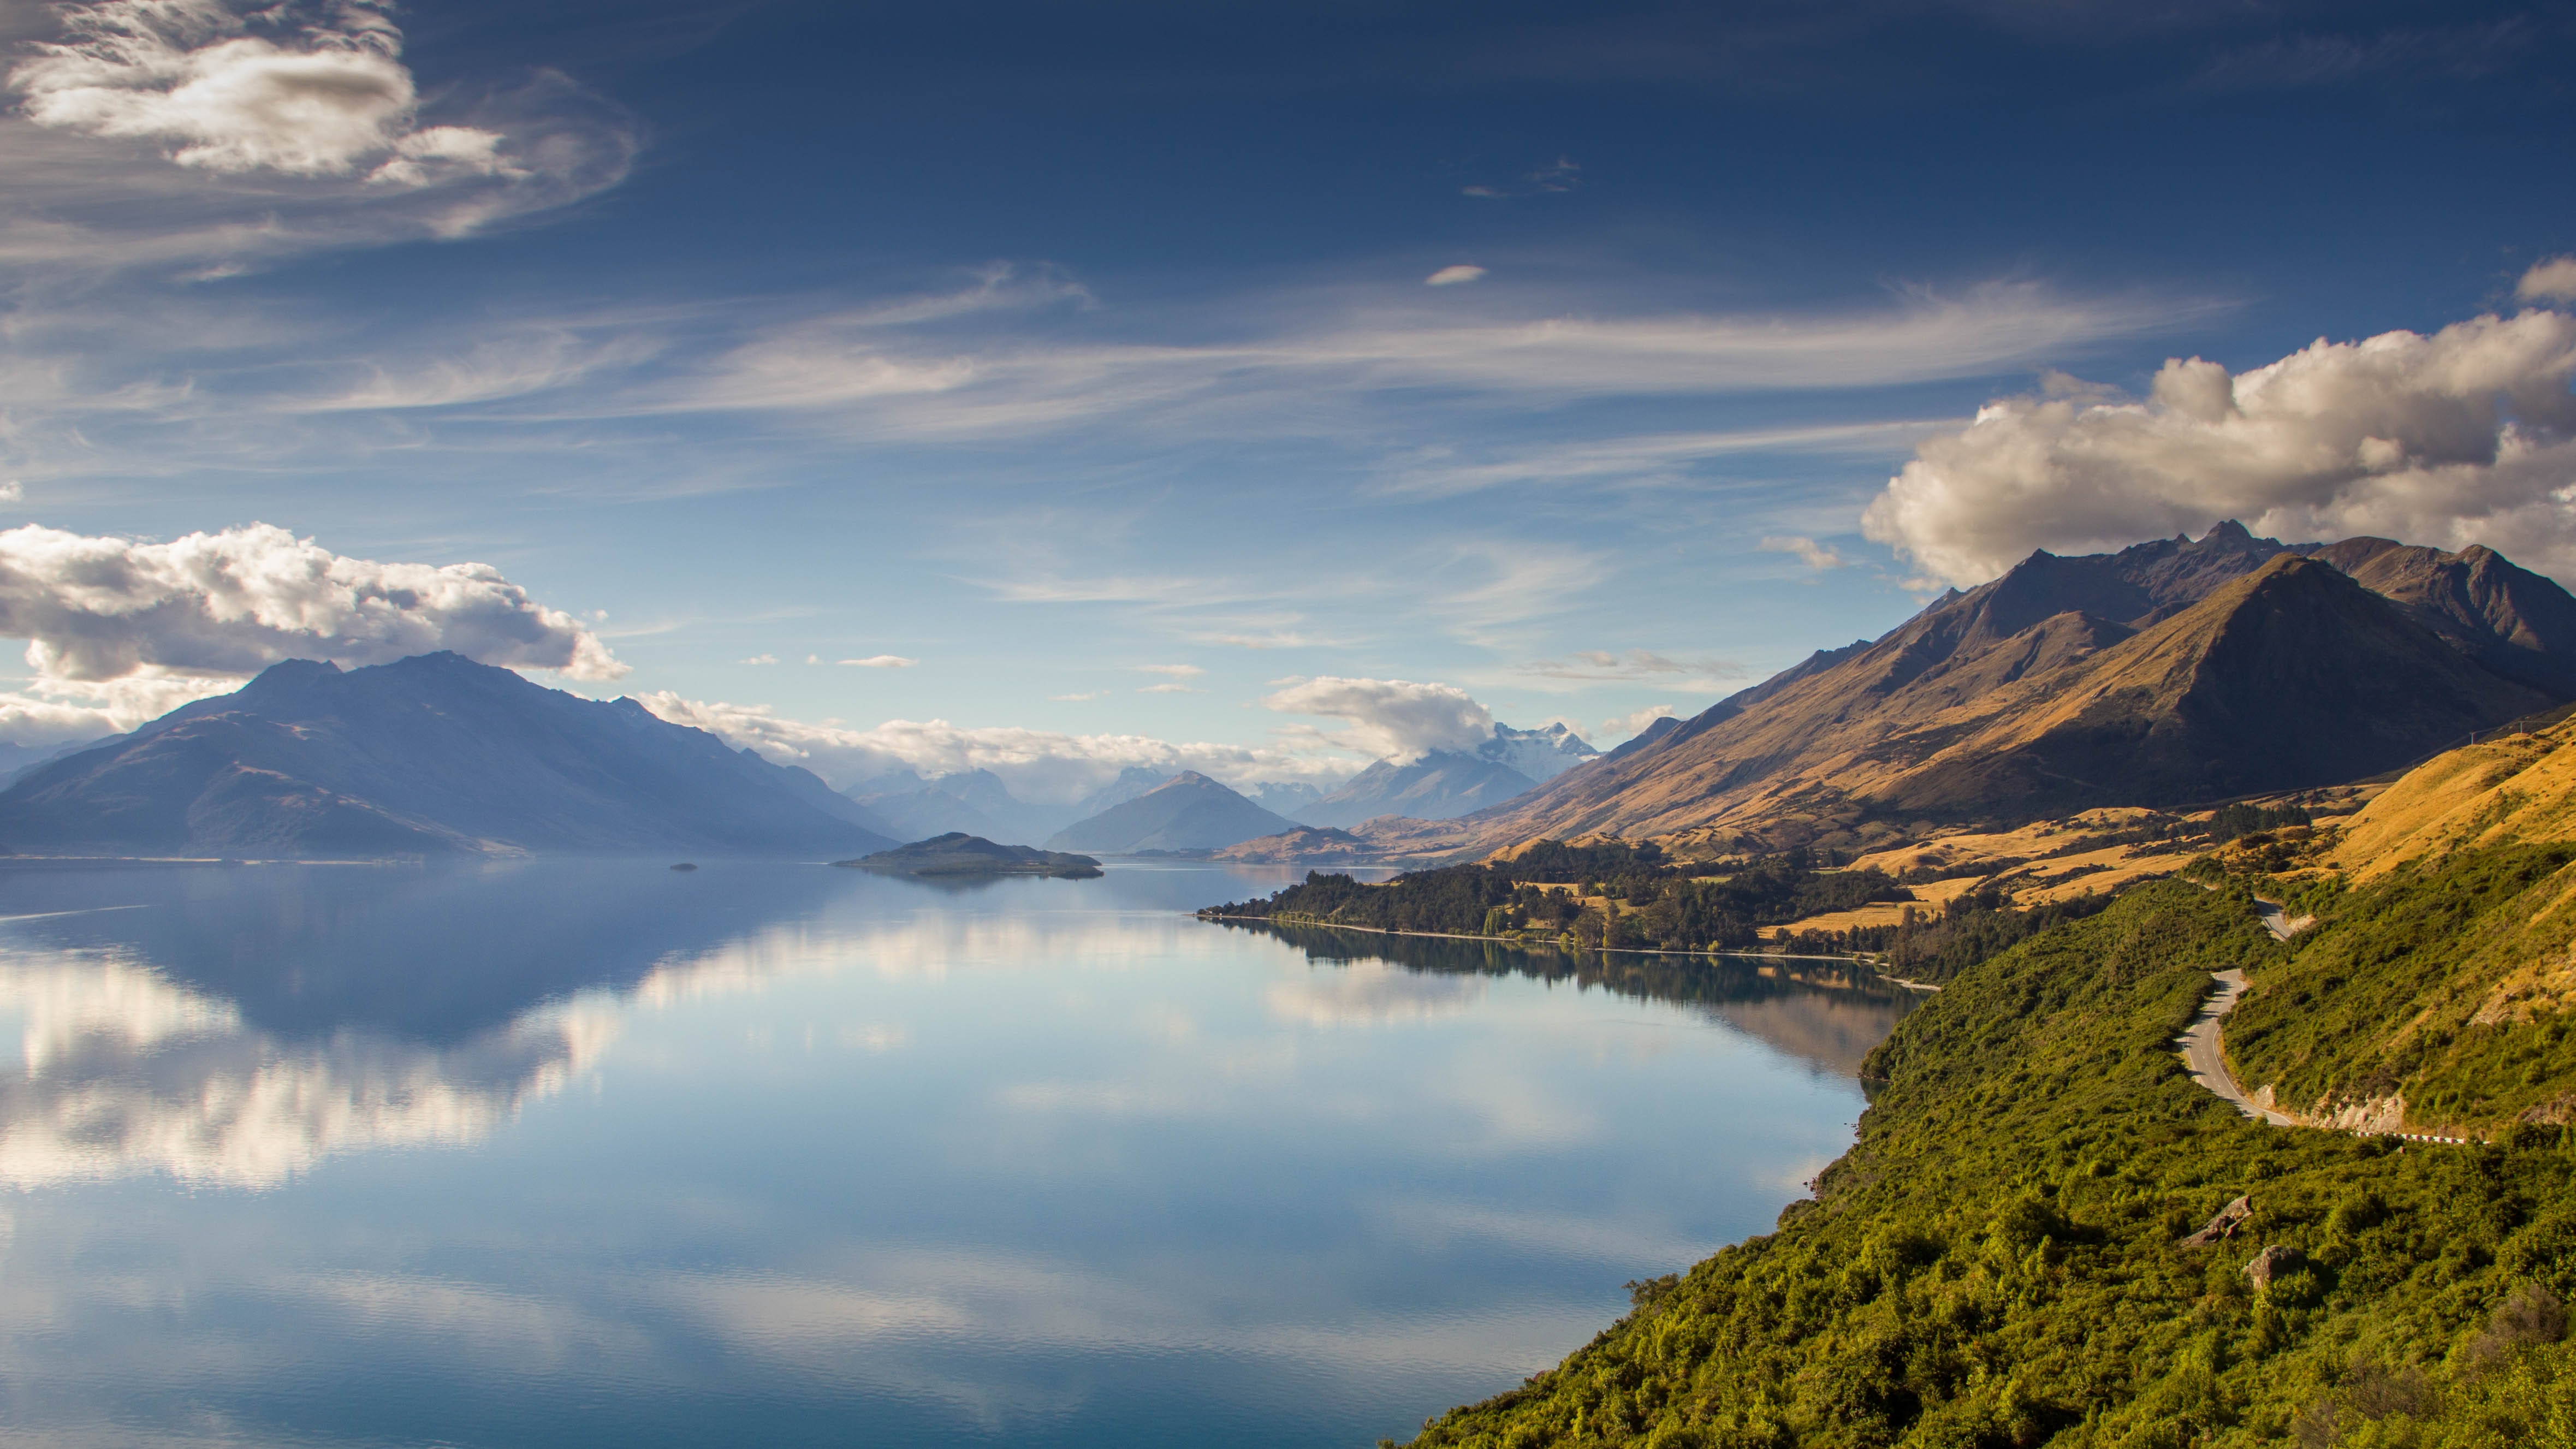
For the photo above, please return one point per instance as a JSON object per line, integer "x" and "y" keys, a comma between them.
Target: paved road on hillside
{"x": 2282, "y": 927}
{"x": 2201, "y": 1048}
{"x": 2200, "y": 1044}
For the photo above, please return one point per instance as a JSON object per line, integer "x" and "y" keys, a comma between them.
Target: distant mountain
{"x": 968, "y": 802}
{"x": 1540, "y": 754}
{"x": 959, "y": 854}
{"x": 1132, "y": 781}
{"x": 1186, "y": 812}
{"x": 2175, "y": 672}
{"x": 1283, "y": 797}
{"x": 1439, "y": 786}
{"x": 434, "y": 754}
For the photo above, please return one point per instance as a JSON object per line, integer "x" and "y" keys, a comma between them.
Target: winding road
{"x": 2202, "y": 1053}
{"x": 2200, "y": 1045}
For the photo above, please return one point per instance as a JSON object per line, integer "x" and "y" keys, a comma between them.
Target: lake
{"x": 600, "y": 1153}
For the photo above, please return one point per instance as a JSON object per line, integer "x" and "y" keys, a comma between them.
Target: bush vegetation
{"x": 1999, "y": 1260}
{"x": 1642, "y": 900}
{"x": 2408, "y": 988}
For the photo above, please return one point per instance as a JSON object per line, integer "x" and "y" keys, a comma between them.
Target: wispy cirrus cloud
{"x": 1818, "y": 557}
{"x": 1559, "y": 175}
{"x": 1603, "y": 666}
{"x": 1646, "y": 460}
{"x": 1014, "y": 354}
{"x": 1506, "y": 583}
{"x": 935, "y": 386}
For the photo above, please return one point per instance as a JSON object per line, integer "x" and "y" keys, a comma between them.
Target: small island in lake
{"x": 958, "y": 853}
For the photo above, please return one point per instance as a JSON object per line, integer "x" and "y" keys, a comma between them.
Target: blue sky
{"x": 1088, "y": 357}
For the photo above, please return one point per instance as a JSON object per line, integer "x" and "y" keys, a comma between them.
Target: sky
{"x": 1260, "y": 388}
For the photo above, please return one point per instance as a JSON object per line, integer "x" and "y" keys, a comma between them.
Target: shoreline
{"x": 1518, "y": 944}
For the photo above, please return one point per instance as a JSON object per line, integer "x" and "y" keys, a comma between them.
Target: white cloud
{"x": 1560, "y": 175}
{"x": 2466, "y": 436}
{"x": 120, "y": 631}
{"x": 1602, "y": 666}
{"x": 1172, "y": 687}
{"x": 1395, "y": 719}
{"x": 760, "y": 659}
{"x": 311, "y": 90}
{"x": 883, "y": 661}
{"x": 1039, "y": 765}
{"x": 292, "y": 126}
{"x": 1079, "y": 698}
{"x": 938, "y": 386}
{"x": 1453, "y": 276}
{"x": 1814, "y": 555}
{"x": 2553, "y": 280}
{"x": 1622, "y": 726}
{"x": 1269, "y": 639}
{"x": 1648, "y": 460}
{"x": 1176, "y": 671}
{"x": 52, "y": 711}
{"x": 1517, "y": 582}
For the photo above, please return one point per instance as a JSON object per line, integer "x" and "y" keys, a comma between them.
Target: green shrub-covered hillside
{"x": 2000, "y": 1259}
{"x": 2440, "y": 992}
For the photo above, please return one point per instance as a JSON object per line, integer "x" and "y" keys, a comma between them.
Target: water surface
{"x": 598, "y": 1153}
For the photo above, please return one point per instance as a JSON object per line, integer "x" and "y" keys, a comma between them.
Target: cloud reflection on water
{"x": 1042, "y": 1161}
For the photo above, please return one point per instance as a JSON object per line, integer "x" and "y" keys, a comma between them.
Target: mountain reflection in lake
{"x": 573, "y": 1153}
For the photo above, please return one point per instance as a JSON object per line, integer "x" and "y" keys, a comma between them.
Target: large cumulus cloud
{"x": 1395, "y": 719}
{"x": 118, "y": 631}
{"x": 2464, "y": 436}
{"x": 246, "y": 92}
{"x": 294, "y": 124}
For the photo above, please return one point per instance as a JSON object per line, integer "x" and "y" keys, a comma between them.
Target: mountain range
{"x": 1444, "y": 784}
{"x": 1437, "y": 786}
{"x": 1188, "y": 812}
{"x": 2172, "y": 673}
{"x": 430, "y": 755}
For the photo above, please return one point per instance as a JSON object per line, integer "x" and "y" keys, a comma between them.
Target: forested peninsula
{"x": 2047, "y": 1232}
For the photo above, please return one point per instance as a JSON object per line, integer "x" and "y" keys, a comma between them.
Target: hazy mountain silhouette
{"x": 1186, "y": 812}
{"x": 433, "y": 754}
{"x": 1438, "y": 786}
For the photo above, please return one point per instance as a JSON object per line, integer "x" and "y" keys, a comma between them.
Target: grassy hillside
{"x": 1998, "y": 1259}
{"x": 2435, "y": 996}
{"x": 2434, "y": 1000}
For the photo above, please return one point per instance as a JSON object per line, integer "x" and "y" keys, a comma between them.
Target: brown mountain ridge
{"x": 2172, "y": 673}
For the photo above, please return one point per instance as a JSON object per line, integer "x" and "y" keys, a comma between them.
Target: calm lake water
{"x": 597, "y": 1153}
